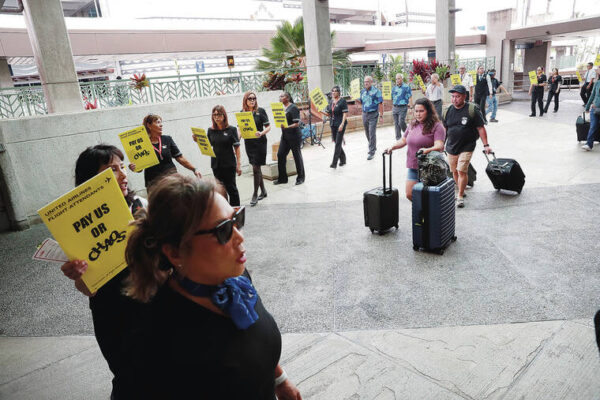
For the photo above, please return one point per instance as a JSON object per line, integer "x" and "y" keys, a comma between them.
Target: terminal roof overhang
{"x": 573, "y": 29}
{"x": 421, "y": 43}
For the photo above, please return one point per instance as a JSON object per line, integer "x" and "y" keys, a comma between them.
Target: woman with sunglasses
{"x": 256, "y": 149}
{"x": 291, "y": 139}
{"x": 337, "y": 110}
{"x": 112, "y": 312}
{"x": 207, "y": 334}
{"x": 225, "y": 142}
{"x": 426, "y": 133}
{"x": 166, "y": 150}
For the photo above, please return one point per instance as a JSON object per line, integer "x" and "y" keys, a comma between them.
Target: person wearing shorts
{"x": 463, "y": 128}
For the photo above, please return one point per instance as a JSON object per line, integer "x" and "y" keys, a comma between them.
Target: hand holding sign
{"x": 203, "y": 143}
{"x": 138, "y": 148}
{"x": 246, "y": 124}
{"x": 91, "y": 223}
{"x": 318, "y": 98}
{"x": 279, "y": 115}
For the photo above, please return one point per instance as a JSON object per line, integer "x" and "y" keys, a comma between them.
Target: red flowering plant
{"x": 139, "y": 81}
{"x": 88, "y": 105}
{"x": 421, "y": 68}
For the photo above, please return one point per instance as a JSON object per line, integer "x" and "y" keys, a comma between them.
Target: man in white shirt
{"x": 588, "y": 82}
{"x": 466, "y": 80}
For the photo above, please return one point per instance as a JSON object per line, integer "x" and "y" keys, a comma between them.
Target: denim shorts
{"x": 412, "y": 174}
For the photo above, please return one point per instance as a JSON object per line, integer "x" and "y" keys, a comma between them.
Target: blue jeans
{"x": 594, "y": 120}
{"x": 492, "y": 105}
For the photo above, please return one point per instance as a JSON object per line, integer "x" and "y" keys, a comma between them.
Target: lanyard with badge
{"x": 159, "y": 150}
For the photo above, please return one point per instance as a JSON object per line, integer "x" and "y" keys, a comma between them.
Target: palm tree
{"x": 288, "y": 51}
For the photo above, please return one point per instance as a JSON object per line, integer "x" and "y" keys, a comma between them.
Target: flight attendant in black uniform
{"x": 555, "y": 81}
{"x": 166, "y": 150}
{"x": 291, "y": 138}
{"x": 537, "y": 92}
{"x": 226, "y": 145}
{"x": 337, "y": 110}
{"x": 256, "y": 149}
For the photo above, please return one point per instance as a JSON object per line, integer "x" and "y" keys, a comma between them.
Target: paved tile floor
{"x": 505, "y": 313}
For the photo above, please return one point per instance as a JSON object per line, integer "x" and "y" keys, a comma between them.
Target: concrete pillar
{"x": 445, "y": 32}
{"x": 498, "y": 22}
{"x": 5, "y": 76}
{"x": 507, "y": 70}
{"x": 53, "y": 56}
{"x": 317, "y": 41}
{"x": 537, "y": 56}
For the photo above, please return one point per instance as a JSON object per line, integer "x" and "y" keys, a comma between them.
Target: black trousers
{"x": 480, "y": 101}
{"x": 550, "y": 95}
{"x": 227, "y": 178}
{"x": 290, "y": 141}
{"x": 338, "y": 152}
{"x": 585, "y": 93}
{"x": 537, "y": 96}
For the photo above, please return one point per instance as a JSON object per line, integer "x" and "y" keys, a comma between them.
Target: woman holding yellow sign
{"x": 337, "y": 110}
{"x": 291, "y": 138}
{"x": 256, "y": 149}
{"x": 112, "y": 312}
{"x": 225, "y": 142}
{"x": 166, "y": 150}
{"x": 536, "y": 90}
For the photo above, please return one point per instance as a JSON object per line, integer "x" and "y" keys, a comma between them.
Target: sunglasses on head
{"x": 224, "y": 230}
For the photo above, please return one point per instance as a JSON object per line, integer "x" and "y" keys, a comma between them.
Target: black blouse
{"x": 340, "y": 108}
{"x": 260, "y": 119}
{"x": 165, "y": 151}
{"x": 223, "y": 141}
{"x": 555, "y": 82}
{"x": 292, "y": 114}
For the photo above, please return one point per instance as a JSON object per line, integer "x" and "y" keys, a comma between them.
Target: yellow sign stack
{"x": 203, "y": 142}
{"x": 455, "y": 78}
{"x": 533, "y": 78}
{"x": 420, "y": 82}
{"x": 91, "y": 223}
{"x": 279, "y": 115}
{"x": 246, "y": 124}
{"x": 138, "y": 148}
{"x": 318, "y": 99}
{"x": 355, "y": 88}
{"x": 474, "y": 76}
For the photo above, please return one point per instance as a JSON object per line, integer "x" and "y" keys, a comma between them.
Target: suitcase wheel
{"x": 380, "y": 233}
{"x": 415, "y": 247}
{"x": 396, "y": 226}
{"x": 453, "y": 238}
{"x": 372, "y": 230}
{"x": 440, "y": 252}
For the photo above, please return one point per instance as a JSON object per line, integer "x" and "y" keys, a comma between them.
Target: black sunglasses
{"x": 224, "y": 230}
{"x": 251, "y": 98}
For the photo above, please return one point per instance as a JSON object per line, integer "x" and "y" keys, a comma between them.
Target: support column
{"x": 6, "y": 80}
{"x": 53, "y": 56}
{"x": 317, "y": 41}
{"x": 445, "y": 32}
{"x": 507, "y": 72}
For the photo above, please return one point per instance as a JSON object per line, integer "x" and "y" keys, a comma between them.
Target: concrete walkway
{"x": 505, "y": 313}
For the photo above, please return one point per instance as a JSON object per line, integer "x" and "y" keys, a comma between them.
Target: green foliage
{"x": 394, "y": 66}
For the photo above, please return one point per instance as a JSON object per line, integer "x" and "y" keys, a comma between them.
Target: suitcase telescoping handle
{"x": 487, "y": 158}
{"x": 387, "y": 190}
{"x": 583, "y": 115}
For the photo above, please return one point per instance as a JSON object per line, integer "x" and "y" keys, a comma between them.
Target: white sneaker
{"x": 460, "y": 202}
{"x": 586, "y": 147}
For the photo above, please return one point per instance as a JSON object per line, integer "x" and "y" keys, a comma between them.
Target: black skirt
{"x": 256, "y": 149}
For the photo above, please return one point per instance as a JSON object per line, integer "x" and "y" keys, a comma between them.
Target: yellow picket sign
{"x": 203, "y": 142}
{"x": 138, "y": 148}
{"x": 473, "y": 75}
{"x": 246, "y": 124}
{"x": 386, "y": 90}
{"x": 355, "y": 88}
{"x": 91, "y": 223}
{"x": 533, "y": 78}
{"x": 279, "y": 115}
{"x": 597, "y": 62}
{"x": 455, "y": 78}
{"x": 318, "y": 99}
{"x": 578, "y": 76}
{"x": 421, "y": 83}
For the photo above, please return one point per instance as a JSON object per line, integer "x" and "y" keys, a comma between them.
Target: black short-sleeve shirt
{"x": 292, "y": 114}
{"x": 166, "y": 150}
{"x": 223, "y": 141}
{"x": 555, "y": 81}
{"x": 461, "y": 130}
{"x": 260, "y": 119}
{"x": 185, "y": 351}
{"x": 541, "y": 79}
{"x": 337, "y": 115}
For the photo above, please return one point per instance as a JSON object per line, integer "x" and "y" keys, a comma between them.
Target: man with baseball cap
{"x": 464, "y": 125}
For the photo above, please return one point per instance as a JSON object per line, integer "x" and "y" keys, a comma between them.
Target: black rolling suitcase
{"x": 583, "y": 127}
{"x": 381, "y": 205}
{"x": 505, "y": 173}
{"x": 433, "y": 216}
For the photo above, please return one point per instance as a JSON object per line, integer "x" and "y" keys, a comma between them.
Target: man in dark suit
{"x": 483, "y": 90}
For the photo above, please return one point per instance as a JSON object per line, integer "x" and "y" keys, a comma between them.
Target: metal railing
{"x": 27, "y": 101}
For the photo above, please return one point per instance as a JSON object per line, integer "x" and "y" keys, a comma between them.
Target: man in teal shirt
{"x": 372, "y": 110}
{"x": 593, "y": 106}
{"x": 402, "y": 100}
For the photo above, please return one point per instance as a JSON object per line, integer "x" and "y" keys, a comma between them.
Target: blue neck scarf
{"x": 236, "y": 297}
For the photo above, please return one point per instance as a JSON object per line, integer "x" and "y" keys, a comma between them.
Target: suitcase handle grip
{"x": 486, "y": 156}
{"x": 387, "y": 190}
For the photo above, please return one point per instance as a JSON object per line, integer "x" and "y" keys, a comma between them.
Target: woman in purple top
{"x": 426, "y": 133}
